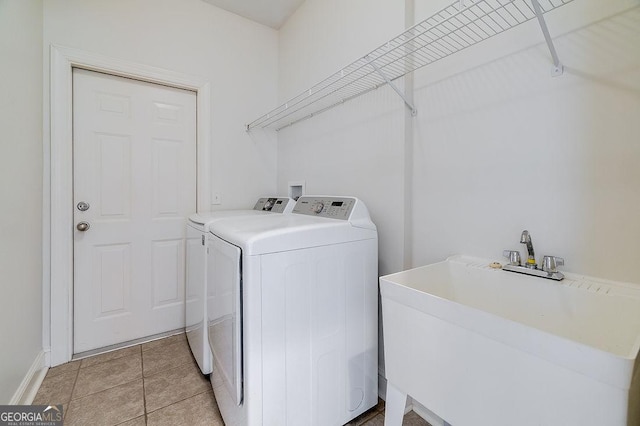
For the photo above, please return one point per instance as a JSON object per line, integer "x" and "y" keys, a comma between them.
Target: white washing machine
{"x": 196, "y": 287}
{"x": 293, "y": 317}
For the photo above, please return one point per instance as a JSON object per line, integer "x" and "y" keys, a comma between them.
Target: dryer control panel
{"x": 273, "y": 204}
{"x": 329, "y": 207}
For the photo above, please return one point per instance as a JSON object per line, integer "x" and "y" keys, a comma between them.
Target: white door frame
{"x": 63, "y": 60}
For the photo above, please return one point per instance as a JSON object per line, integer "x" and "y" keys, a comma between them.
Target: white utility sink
{"x": 482, "y": 346}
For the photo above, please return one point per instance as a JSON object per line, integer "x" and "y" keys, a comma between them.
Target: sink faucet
{"x": 525, "y": 238}
{"x": 549, "y": 263}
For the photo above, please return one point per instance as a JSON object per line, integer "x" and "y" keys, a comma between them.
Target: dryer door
{"x": 224, "y": 310}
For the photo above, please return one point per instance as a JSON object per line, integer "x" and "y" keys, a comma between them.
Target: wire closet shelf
{"x": 454, "y": 28}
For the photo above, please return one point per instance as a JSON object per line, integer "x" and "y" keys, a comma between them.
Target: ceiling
{"x": 272, "y": 13}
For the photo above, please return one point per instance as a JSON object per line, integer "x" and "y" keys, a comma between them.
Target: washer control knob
{"x": 317, "y": 208}
{"x": 268, "y": 205}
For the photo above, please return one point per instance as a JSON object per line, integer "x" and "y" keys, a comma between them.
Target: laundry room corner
{"x": 354, "y": 148}
{"x": 313, "y": 212}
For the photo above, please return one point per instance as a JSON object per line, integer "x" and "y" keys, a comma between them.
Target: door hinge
{"x": 203, "y": 240}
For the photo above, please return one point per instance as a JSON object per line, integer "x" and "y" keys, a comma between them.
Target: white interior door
{"x": 134, "y": 165}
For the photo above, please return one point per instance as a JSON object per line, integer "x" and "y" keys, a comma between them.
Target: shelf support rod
{"x": 413, "y": 109}
{"x": 558, "y": 69}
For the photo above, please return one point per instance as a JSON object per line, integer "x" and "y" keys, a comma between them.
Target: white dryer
{"x": 196, "y": 287}
{"x": 293, "y": 321}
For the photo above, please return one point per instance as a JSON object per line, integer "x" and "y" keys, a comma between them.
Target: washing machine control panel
{"x": 272, "y": 204}
{"x": 330, "y": 207}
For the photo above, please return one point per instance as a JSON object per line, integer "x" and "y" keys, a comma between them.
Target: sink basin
{"x": 481, "y": 346}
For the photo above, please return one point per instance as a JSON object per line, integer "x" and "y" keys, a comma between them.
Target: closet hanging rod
{"x": 456, "y": 27}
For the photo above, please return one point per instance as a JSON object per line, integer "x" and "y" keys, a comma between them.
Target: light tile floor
{"x": 156, "y": 383}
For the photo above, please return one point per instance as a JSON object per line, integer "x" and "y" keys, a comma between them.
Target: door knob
{"x": 82, "y": 226}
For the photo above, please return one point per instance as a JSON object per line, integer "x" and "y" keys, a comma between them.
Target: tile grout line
{"x": 160, "y": 348}
{"x": 121, "y": 384}
{"x": 73, "y": 389}
{"x": 144, "y": 388}
{"x": 160, "y": 345}
{"x": 155, "y": 373}
{"x": 78, "y": 399}
{"x": 105, "y": 361}
{"x": 182, "y": 400}
{"x": 190, "y": 361}
{"x": 164, "y": 370}
{"x": 105, "y": 389}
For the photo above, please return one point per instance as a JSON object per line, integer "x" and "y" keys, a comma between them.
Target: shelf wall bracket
{"x": 558, "y": 68}
{"x": 413, "y": 109}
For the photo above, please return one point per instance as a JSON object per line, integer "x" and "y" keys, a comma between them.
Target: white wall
{"x": 20, "y": 191}
{"x": 500, "y": 146}
{"x": 357, "y": 148}
{"x": 238, "y": 56}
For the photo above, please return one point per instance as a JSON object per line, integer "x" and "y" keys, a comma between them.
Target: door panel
{"x": 134, "y": 153}
{"x": 166, "y": 178}
{"x": 114, "y": 173}
{"x": 167, "y": 269}
{"x": 112, "y": 280}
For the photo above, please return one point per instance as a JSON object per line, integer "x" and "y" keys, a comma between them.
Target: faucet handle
{"x": 551, "y": 263}
{"x": 513, "y": 256}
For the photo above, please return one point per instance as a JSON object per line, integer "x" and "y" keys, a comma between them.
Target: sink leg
{"x": 394, "y": 406}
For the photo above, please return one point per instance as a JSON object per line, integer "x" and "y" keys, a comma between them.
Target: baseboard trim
{"x": 31, "y": 382}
